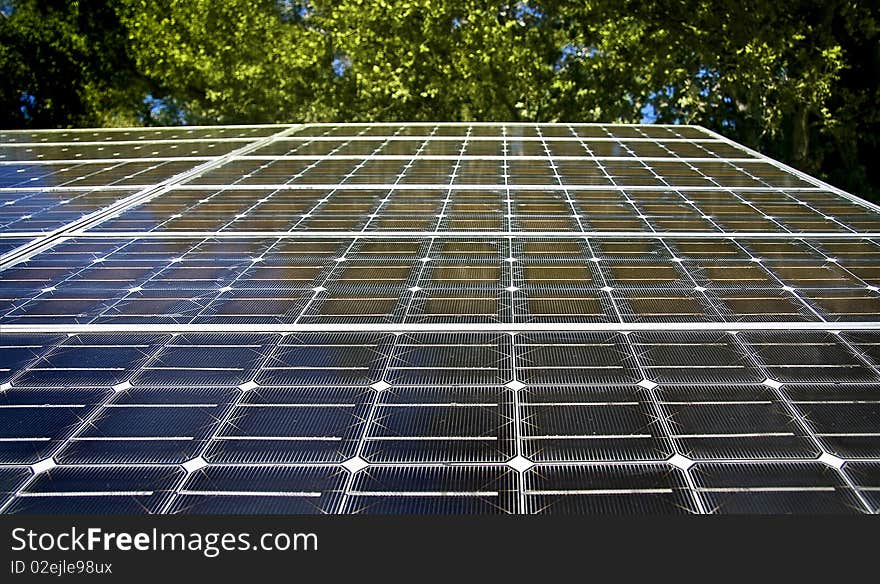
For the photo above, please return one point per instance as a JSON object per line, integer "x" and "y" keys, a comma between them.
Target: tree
{"x": 65, "y": 63}
{"x": 232, "y": 61}
{"x": 798, "y": 80}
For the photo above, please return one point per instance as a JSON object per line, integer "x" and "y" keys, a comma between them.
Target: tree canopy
{"x": 798, "y": 80}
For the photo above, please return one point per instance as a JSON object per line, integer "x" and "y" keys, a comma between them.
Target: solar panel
{"x": 432, "y": 318}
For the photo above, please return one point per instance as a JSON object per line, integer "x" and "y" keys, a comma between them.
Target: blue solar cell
{"x": 98, "y": 490}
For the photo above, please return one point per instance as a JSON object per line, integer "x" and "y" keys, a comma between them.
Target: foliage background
{"x": 798, "y": 80}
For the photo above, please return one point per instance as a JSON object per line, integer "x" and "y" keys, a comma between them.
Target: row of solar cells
{"x": 438, "y": 306}
{"x": 553, "y": 358}
{"x": 645, "y": 262}
{"x": 231, "y": 359}
{"x": 509, "y": 130}
{"x": 497, "y": 172}
{"x": 405, "y": 210}
{"x": 442, "y": 280}
{"x": 361, "y": 147}
{"x": 76, "y": 174}
{"x": 125, "y": 399}
{"x": 461, "y": 210}
{"x": 312, "y": 250}
{"x": 79, "y": 424}
{"x": 547, "y": 489}
{"x": 314, "y": 130}
{"x": 411, "y": 171}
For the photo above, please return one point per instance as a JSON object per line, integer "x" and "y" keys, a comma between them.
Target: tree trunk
{"x": 800, "y": 138}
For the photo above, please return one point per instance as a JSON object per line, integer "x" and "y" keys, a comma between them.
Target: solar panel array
{"x": 432, "y": 318}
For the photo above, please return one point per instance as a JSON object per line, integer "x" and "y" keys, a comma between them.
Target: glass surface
{"x": 431, "y": 319}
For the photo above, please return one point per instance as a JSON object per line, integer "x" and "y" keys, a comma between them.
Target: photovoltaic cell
{"x": 866, "y": 477}
{"x": 414, "y": 425}
{"x": 779, "y": 488}
{"x": 432, "y": 318}
{"x": 635, "y": 489}
{"x": 37, "y": 421}
{"x": 97, "y": 489}
{"x": 430, "y": 490}
{"x": 150, "y": 426}
{"x": 220, "y": 489}
{"x": 598, "y": 423}
{"x": 287, "y": 425}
